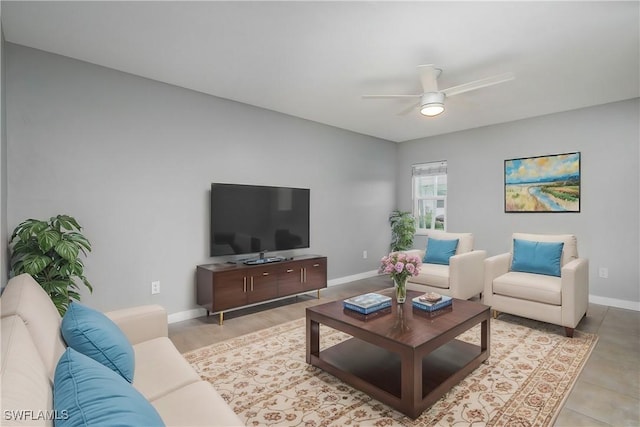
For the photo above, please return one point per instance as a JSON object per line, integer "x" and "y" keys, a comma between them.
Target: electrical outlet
{"x": 603, "y": 272}
{"x": 364, "y": 254}
{"x": 155, "y": 287}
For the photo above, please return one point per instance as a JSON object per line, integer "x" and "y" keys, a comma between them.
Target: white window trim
{"x": 441, "y": 167}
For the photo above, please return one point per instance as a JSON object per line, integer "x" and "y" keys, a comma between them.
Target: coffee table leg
{"x": 411, "y": 371}
{"x": 313, "y": 339}
{"x": 485, "y": 337}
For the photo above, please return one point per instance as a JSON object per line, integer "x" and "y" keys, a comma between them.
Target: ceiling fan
{"x": 432, "y": 100}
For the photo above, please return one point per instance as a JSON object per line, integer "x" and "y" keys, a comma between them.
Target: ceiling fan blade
{"x": 478, "y": 84}
{"x": 429, "y": 77}
{"x": 390, "y": 96}
{"x": 409, "y": 109}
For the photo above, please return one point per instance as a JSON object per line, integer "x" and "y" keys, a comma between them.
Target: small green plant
{"x": 403, "y": 228}
{"x": 49, "y": 251}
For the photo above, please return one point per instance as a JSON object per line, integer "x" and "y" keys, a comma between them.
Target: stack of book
{"x": 431, "y": 305}
{"x": 367, "y": 303}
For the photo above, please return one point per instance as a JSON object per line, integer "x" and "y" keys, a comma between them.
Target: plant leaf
{"x": 34, "y": 264}
{"x": 79, "y": 239}
{"x": 73, "y": 268}
{"x": 86, "y": 283}
{"x": 47, "y": 239}
{"x": 66, "y": 249}
{"x": 28, "y": 228}
{"x": 21, "y": 248}
{"x": 36, "y": 226}
{"x": 67, "y": 222}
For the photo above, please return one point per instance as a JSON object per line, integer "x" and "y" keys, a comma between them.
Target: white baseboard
{"x": 199, "y": 312}
{"x": 347, "y": 279}
{"x": 613, "y": 302}
{"x": 186, "y": 315}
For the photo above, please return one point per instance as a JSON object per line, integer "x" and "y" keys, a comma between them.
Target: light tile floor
{"x": 607, "y": 392}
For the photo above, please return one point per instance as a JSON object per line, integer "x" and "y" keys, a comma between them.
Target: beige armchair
{"x": 462, "y": 278}
{"x": 561, "y": 300}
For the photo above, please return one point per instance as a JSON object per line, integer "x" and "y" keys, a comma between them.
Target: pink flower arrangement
{"x": 400, "y": 265}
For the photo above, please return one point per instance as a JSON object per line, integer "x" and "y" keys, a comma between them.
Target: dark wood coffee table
{"x": 405, "y": 358}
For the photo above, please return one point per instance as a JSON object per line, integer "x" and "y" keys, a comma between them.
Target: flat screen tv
{"x": 250, "y": 219}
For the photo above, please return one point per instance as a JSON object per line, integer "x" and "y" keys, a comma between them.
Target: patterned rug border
{"x": 507, "y": 415}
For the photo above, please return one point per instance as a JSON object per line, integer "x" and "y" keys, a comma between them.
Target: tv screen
{"x": 253, "y": 218}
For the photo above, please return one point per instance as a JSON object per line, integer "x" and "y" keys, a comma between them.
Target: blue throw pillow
{"x": 87, "y": 393}
{"x": 95, "y": 335}
{"x": 439, "y": 251}
{"x": 537, "y": 257}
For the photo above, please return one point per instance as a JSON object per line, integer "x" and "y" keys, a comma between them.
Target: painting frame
{"x": 549, "y": 183}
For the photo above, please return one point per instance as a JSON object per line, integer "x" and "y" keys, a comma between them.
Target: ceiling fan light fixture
{"x": 432, "y": 104}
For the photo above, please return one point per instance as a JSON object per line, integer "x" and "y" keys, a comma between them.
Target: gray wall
{"x": 607, "y": 226}
{"x": 133, "y": 159}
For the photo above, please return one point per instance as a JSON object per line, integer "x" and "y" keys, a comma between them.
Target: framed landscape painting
{"x": 542, "y": 184}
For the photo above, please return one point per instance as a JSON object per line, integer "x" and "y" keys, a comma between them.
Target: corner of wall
{"x": 4, "y": 258}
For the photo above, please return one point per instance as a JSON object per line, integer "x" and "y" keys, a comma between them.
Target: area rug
{"x": 266, "y": 381}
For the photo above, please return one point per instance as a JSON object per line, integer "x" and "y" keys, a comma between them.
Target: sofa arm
{"x": 141, "y": 323}
{"x": 466, "y": 274}
{"x": 574, "y": 277}
{"x": 494, "y": 266}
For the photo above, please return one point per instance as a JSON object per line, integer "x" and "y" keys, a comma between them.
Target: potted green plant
{"x": 403, "y": 228}
{"x": 49, "y": 251}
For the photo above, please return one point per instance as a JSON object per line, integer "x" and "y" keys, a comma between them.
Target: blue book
{"x": 432, "y": 306}
{"x": 367, "y": 303}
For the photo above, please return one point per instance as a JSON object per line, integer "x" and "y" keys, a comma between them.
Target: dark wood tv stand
{"x": 224, "y": 286}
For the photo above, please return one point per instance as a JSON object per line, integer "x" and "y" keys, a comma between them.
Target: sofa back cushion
{"x": 26, "y": 389}
{"x": 569, "y": 250}
{"x": 465, "y": 240}
{"x": 95, "y": 335}
{"x": 89, "y": 393}
{"x": 25, "y": 298}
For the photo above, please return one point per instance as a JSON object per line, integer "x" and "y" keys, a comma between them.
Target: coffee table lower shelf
{"x": 377, "y": 371}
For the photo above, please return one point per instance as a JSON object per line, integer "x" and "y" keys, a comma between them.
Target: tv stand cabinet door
{"x": 290, "y": 279}
{"x": 262, "y": 284}
{"x": 314, "y": 274}
{"x": 230, "y": 290}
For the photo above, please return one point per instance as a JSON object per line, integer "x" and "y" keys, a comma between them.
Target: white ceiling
{"x": 314, "y": 60}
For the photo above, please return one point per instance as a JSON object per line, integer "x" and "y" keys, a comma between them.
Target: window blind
{"x": 429, "y": 169}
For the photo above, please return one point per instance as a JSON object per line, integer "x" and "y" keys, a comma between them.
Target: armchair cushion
{"x": 436, "y": 275}
{"x": 439, "y": 251}
{"x": 531, "y": 287}
{"x": 537, "y": 257}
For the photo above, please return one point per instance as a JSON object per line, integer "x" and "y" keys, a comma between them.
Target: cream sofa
{"x": 32, "y": 345}
{"x": 462, "y": 278}
{"x": 559, "y": 300}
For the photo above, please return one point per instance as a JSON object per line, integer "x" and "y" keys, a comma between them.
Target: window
{"x": 429, "y": 182}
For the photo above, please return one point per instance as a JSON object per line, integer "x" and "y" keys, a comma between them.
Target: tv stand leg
{"x": 318, "y": 293}
{"x": 221, "y": 319}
